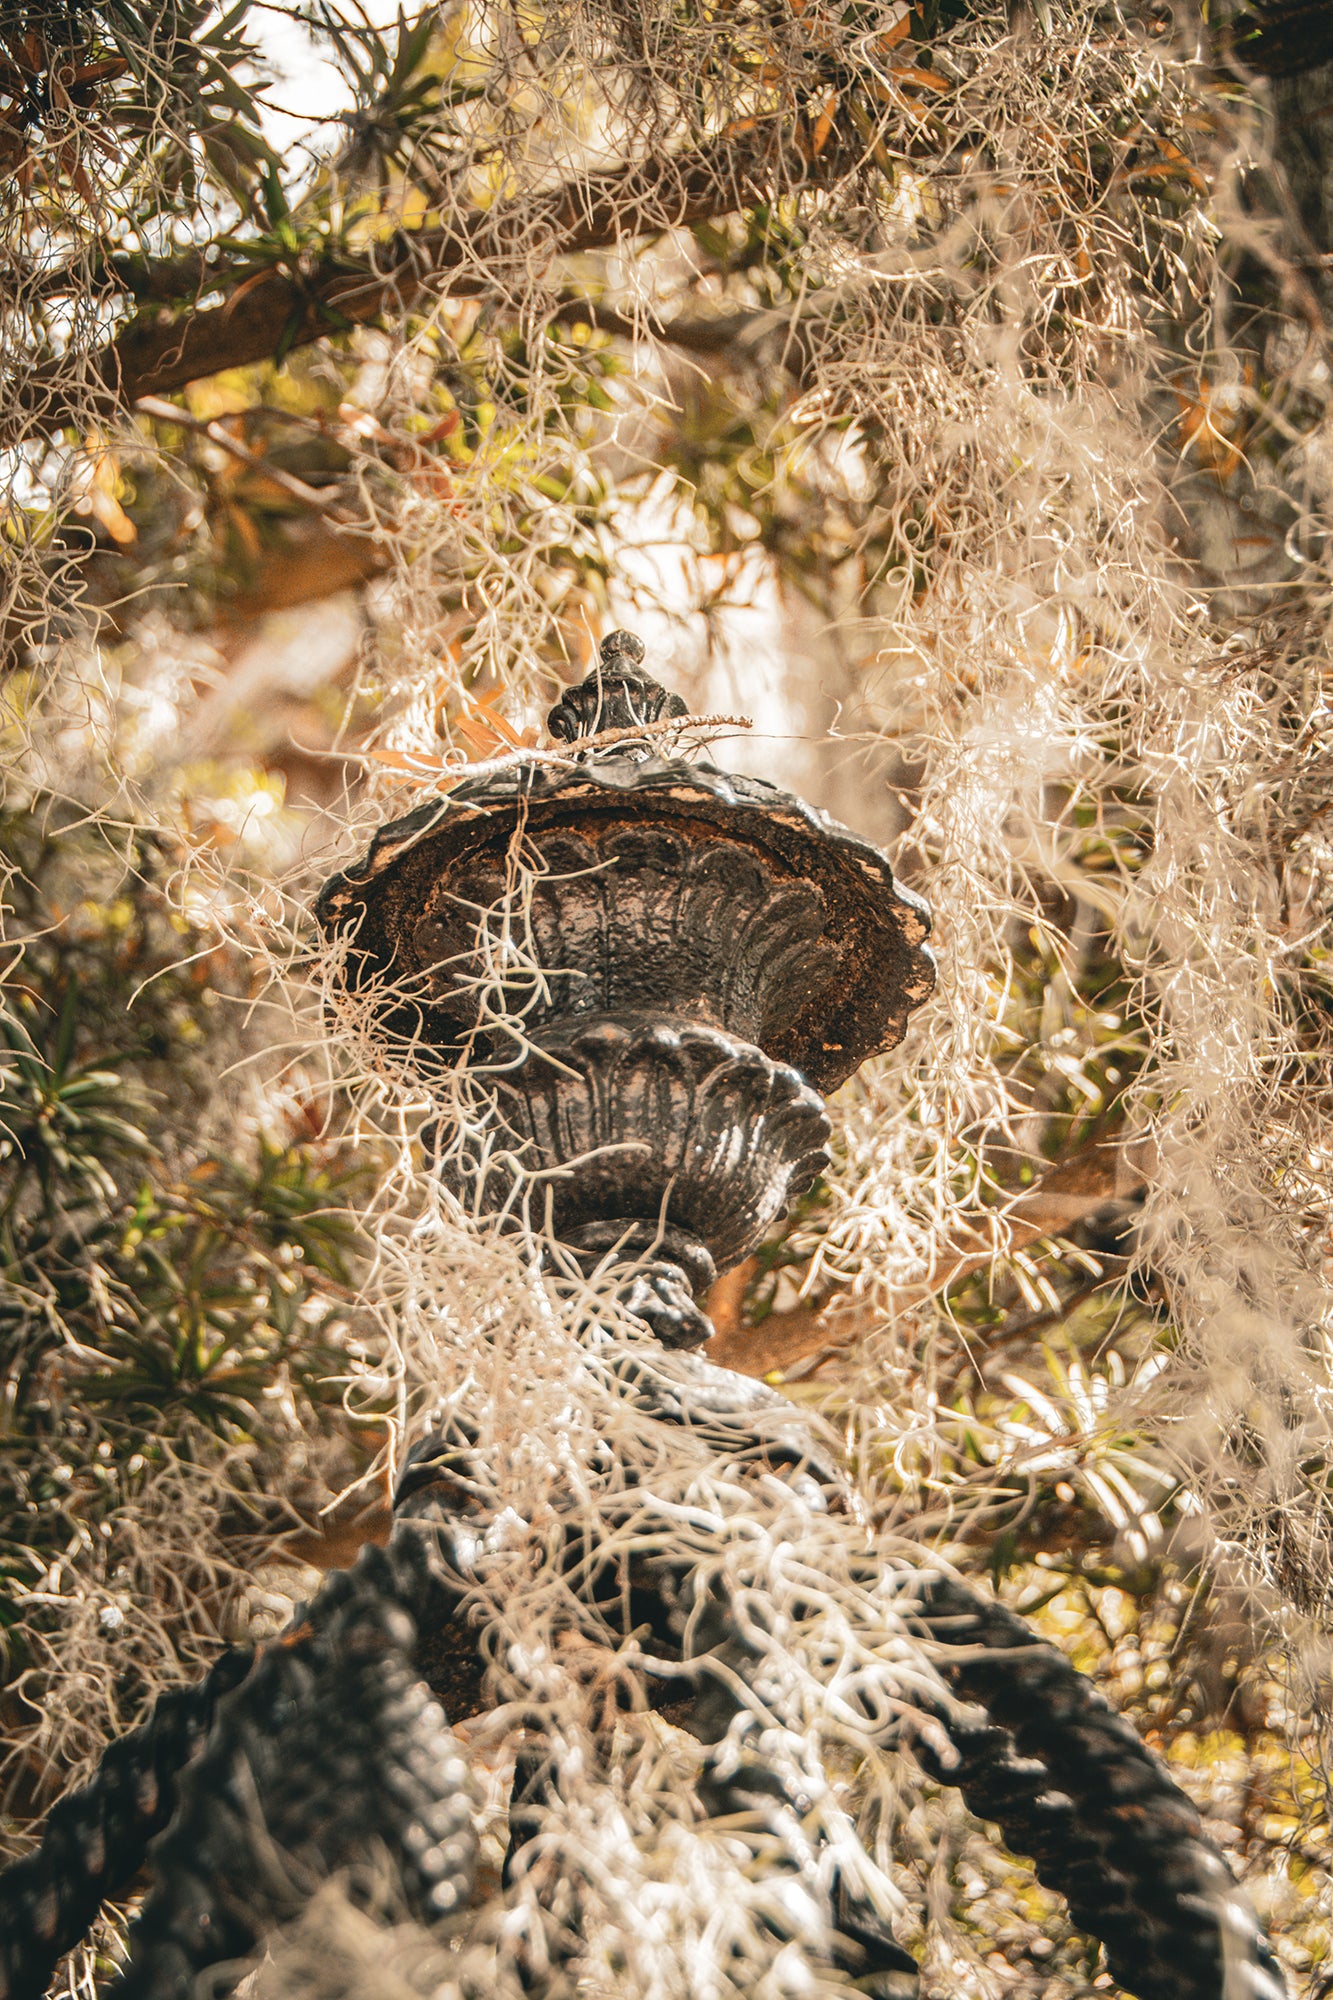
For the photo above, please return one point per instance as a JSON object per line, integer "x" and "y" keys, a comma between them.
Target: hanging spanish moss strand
{"x": 751, "y": 1799}
{"x": 737, "y": 1787}
{"x": 1069, "y": 1782}
{"x": 96, "y": 1837}
{"x": 332, "y": 1755}
{"x": 661, "y": 1597}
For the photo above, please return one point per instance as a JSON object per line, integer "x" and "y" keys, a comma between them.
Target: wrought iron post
{"x": 658, "y": 968}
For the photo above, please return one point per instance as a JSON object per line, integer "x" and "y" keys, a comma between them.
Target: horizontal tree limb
{"x": 696, "y": 333}
{"x": 274, "y": 312}
{"x": 1064, "y": 1195}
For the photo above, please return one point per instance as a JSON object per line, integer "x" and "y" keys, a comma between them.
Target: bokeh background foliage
{"x": 947, "y": 389}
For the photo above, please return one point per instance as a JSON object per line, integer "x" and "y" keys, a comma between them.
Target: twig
{"x": 513, "y": 760}
{"x": 309, "y": 496}
{"x": 1063, "y": 1196}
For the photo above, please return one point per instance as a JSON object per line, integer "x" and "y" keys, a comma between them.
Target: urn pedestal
{"x": 658, "y": 966}
{"x": 657, "y": 969}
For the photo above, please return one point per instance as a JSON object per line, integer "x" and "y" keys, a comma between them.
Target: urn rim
{"x": 878, "y": 924}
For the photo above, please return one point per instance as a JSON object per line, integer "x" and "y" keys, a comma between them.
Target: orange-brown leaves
{"x": 1214, "y": 423}
{"x": 44, "y": 89}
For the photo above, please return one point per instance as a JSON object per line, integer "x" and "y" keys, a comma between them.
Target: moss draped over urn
{"x": 659, "y": 966}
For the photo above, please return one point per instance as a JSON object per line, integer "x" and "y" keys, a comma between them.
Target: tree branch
{"x": 155, "y": 356}
{"x": 1063, "y": 1196}
{"x": 698, "y": 334}
{"x": 218, "y": 434}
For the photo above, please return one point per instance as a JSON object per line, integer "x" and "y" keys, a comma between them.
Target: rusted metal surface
{"x": 661, "y": 966}
{"x": 648, "y": 884}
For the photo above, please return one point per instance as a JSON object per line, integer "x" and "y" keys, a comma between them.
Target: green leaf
{"x": 275, "y": 197}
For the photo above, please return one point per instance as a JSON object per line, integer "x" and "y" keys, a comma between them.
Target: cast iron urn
{"x": 657, "y": 968}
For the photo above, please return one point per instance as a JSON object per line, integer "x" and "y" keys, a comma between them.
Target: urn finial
{"x": 618, "y": 694}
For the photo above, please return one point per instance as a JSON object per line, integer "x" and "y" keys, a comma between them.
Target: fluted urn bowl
{"x": 667, "y": 1119}
{"x": 619, "y": 941}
